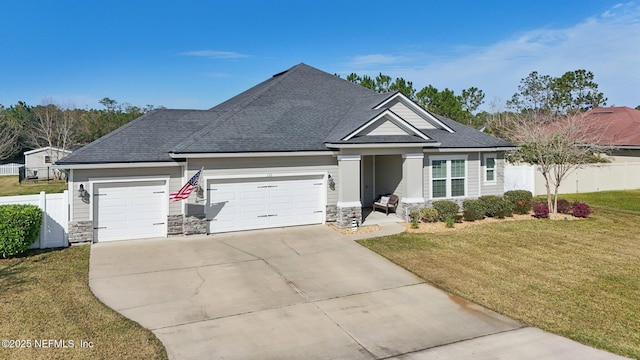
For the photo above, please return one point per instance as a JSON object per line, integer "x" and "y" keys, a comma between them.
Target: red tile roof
{"x": 623, "y": 125}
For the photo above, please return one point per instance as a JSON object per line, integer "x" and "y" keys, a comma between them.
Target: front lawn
{"x": 10, "y": 186}
{"x": 628, "y": 200}
{"x": 579, "y": 279}
{"x": 45, "y": 302}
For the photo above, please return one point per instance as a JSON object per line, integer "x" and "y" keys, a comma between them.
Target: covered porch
{"x": 371, "y": 217}
{"x": 366, "y": 176}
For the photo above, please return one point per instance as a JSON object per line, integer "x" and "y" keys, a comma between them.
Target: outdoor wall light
{"x": 82, "y": 192}
{"x": 332, "y": 184}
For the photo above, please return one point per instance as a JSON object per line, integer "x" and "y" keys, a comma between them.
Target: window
{"x": 448, "y": 177}
{"x": 490, "y": 168}
{"x": 47, "y": 159}
{"x": 439, "y": 178}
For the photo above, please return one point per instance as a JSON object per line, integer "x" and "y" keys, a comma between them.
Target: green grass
{"x": 10, "y": 186}
{"x": 628, "y": 200}
{"x": 45, "y": 295}
{"x": 579, "y": 279}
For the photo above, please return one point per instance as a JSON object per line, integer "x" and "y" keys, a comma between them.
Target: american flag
{"x": 186, "y": 190}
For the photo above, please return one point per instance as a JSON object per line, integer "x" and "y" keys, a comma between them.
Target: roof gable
{"x": 386, "y": 123}
{"x": 413, "y": 113}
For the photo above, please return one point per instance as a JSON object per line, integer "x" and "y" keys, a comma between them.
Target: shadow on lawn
{"x": 10, "y": 274}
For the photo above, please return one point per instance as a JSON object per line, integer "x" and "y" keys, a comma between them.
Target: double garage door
{"x": 246, "y": 204}
{"x": 130, "y": 210}
{"x": 136, "y": 210}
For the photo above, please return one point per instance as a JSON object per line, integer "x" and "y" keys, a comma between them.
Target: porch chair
{"x": 387, "y": 203}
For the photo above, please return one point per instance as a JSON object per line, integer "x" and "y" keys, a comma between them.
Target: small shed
{"x": 38, "y": 163}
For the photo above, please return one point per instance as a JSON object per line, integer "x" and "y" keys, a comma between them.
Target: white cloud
{"x": 607, "y": 44}
{"x": 212, "y": 54}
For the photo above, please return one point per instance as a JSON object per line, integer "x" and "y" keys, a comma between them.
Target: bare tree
{"x": 8, "y": 136}
{"x": 52, "y": 127}
{"x": 556, "y": 147}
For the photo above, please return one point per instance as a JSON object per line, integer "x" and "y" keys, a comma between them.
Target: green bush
{"x": 429, "y": 215}
{"x": 447, "y": 209}
{"x": 496, "y": 206}
{"x": 19, "y": 228}
{"x": 472, "y": 210}
{"x": 520, "y": 200}
{"x": 414, "y": 215}
{"x": 449, "y": 222}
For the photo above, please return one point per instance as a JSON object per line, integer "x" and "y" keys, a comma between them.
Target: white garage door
{"x": 243, "y": 204}
{"x": 131, "y": 210}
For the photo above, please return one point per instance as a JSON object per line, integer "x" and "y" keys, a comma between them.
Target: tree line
{"x": 24, "y": 127}
{"x": 544, "y": 118}
{"x": 573, "y": 92}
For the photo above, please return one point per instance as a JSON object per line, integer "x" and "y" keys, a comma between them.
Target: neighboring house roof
{"x": 619, "y": 125}
{"x": 301, "y": 109}
{"x": 47, "y": 148}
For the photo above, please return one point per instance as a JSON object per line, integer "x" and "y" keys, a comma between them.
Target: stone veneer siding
{"x": 346, "y": 214}
{"x": 80, "y": 232}
{"x": 332, "y": 213}
{"x": 174, "y": 224}
{"x": 194, "y": 225}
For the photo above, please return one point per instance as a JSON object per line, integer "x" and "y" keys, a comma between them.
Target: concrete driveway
{"x": 301, "y": 293}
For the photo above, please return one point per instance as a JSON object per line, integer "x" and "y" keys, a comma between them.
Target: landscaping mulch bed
{"x": 361, "y": 230}
{"x": 440, "y": 227}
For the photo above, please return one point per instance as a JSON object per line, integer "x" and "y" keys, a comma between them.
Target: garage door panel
{"x": 255, "y": 205}
{"x": 130, "y": 210}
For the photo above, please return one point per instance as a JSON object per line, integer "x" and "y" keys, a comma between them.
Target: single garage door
{"x": 131, "y": 210}
{"x": 243, "y": 204}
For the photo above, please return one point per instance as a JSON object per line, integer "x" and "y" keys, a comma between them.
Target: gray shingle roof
{"x": 464, "y": 136}
{"x": 301, "y": 109}
{"x": 148, "y": 138}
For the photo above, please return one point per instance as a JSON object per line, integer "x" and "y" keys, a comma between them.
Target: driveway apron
{"x": 301, "y": 293}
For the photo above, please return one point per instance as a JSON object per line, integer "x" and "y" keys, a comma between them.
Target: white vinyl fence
{"x": 589, "y": 178}
{"x": 55, "y": 217}
{"x": 10, "y": 169}
{"x": 519, "y": 177}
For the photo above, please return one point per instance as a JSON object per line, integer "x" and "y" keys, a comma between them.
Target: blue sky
{"x": 196, "y": 54}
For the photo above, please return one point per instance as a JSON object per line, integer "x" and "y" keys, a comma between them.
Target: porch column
{"x": 413, "y": 178}
{"x": 349, "y": 204}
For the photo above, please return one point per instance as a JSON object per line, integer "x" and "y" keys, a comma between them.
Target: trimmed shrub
{"x": 473, "y": 210}
{"x": 520, "y": 200}
{"x": 538, "y": 201}
{"x": 581, "y": 210}
{"x": 446, "y": 209}
{"x": 495, "y": 206}
{"x": 414, "y": 215}
{"x": 429, "y": 215}
{"x": 540, "y": 211}
{"x": 563, "y": 206}
{"x": 19, "y": 228}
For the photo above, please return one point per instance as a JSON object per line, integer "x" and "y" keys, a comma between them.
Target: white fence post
{"x": 43, "y": 226}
